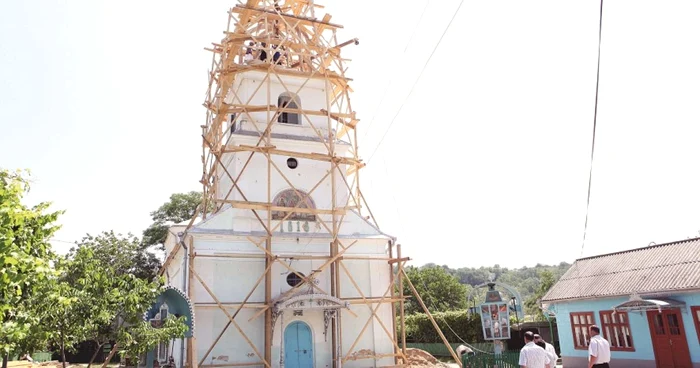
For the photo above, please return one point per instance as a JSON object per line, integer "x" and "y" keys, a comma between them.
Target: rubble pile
{"x": 418, "y": 358}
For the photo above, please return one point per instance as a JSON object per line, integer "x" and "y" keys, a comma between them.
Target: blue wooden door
{"x": 298, "y": 352}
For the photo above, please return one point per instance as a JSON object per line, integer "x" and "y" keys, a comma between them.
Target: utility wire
{"x": 595, "y": 121}
{"x": 392, "y": 78}
{"x": 416, "y": 82}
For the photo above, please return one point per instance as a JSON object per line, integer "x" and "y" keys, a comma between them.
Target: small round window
{"x": 292, "y": 163}
{"x": 293, "y": 279}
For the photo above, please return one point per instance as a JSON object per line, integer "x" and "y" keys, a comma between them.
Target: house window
{"x": 696, "y": 318}
{"x": 580, "y": 322}
{"x": 289, "y": 101}
{"x": 616, "y": 329}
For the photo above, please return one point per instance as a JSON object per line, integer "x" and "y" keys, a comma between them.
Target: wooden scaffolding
{"x": 292, "y": 41}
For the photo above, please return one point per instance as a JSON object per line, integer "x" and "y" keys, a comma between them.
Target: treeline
{"x": 448, "y": 293}
{"x": 525, "y": 279}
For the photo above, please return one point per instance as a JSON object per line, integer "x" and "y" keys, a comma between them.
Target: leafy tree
{"x": 122, "y": 254}
{"x": 179, "y": 208}
{"x": 532, "y": 303}
{"x": 439, "y": 290}
{"x": 25, "y": 255}
{"x": 64, "y": 316}
{"x": 143, "y": 337}
{"x": 110, "y": 272}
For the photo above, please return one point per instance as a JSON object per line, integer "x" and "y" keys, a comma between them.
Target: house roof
{"x": 654, "y": 269}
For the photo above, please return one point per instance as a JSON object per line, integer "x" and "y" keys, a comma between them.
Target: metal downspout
{"x": 185, "y": 287}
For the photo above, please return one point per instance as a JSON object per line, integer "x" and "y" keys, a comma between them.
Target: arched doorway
{"x": 298, "y": 346}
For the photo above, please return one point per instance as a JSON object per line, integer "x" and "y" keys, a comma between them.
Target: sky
{"x": 482, "y": 160}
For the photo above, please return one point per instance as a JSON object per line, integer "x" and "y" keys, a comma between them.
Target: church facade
{"x": 283, "y": 265}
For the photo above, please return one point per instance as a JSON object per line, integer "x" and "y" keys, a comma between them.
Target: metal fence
{"x": 38, "y": 356}
{"x": 505, "y": 359}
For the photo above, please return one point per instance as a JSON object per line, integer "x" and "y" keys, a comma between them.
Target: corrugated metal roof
{"x": 659, "y": 268}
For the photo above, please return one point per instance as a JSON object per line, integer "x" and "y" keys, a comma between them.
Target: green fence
{"x": 439, "y": 349}
{"x": 505, "y": 359}
{"x": 39, "y": 356}
{"x": 483, "y": 357}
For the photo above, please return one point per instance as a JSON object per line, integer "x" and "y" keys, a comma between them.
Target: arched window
{"x": 290, "y": 198}
{"x": 289, "y": 101}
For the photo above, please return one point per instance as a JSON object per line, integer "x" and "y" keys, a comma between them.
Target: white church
{"x": 287, "y": 270}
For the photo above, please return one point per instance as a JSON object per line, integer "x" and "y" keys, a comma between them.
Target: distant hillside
{"x": 525, "y": 280}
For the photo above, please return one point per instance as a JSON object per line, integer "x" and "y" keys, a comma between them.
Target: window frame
{"x": 695, "y": 310}
{"x": 586, "y": 325}
{"x": 612, "y": 325}
{"x": 283, "y": 102}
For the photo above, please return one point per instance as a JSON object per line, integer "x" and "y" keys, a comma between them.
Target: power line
{"x": 417, "y": 80}
{"x": 392, "y": 78}
{"x": 595, "y": 121}
{"x": 61, "y": 241}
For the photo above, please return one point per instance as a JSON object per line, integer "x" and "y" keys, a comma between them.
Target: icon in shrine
{"x": 494, "y": 316}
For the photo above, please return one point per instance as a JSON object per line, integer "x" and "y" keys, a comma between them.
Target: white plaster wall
{"x": 251, "y": 89}
{"x": 253, "y": 176}
{"x": 232, "y": 347}
{"x": 244, "y": 220}
{"x": 231, "y": 279}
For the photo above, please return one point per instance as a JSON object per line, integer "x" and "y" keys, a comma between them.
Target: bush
{"x": 455, "y": 325}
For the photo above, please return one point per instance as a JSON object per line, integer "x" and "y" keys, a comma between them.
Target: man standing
{"x": 531, "y": 355}
{"x": 598, "y": 350}
{"x": 549, "y": 347}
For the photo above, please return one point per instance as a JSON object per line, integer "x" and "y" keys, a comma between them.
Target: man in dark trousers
{"x": 598, "y": 350}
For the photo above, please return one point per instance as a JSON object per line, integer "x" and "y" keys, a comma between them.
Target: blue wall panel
{"x": 638, "y": 325}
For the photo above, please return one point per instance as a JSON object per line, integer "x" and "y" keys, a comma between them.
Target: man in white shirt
{"x": 598, "y": 350}
{"x": 549, "y": 347}
{"x": 531, "y": 355}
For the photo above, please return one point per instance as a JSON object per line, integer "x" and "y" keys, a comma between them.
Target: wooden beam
{"x": 432, "y": 320}
{"x": 240, "y": 108}
{"x": 396, "y": 260}
{"x": 249, "y": 205}
{"x": 271, "y": 14}
{"x": 231, "y": 317}
{"x": 311, "y": 156}
{"x": 402, "y": 320}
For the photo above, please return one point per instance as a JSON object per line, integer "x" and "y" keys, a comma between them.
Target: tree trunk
{"x": 97, "y": 351}
{"x": 5, "y": 358}
{"x": 111, "y": 354}
{"x": 63, "y": 353}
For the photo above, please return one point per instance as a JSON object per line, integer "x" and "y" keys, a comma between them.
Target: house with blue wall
{"x": 646, "y": 302}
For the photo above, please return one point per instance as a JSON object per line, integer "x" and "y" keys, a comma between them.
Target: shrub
{"x": 455, "y": 325}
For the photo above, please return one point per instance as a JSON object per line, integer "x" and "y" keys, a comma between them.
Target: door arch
{"x": 298, "y": 346}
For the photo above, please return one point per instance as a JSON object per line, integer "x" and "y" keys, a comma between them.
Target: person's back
{"x": 531, "y": 355}
{"x": 553, "y": 352}
{"x": 548, "y": 347}
{"x": 598, "y": 349}
{"x": 552, "y": 356}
